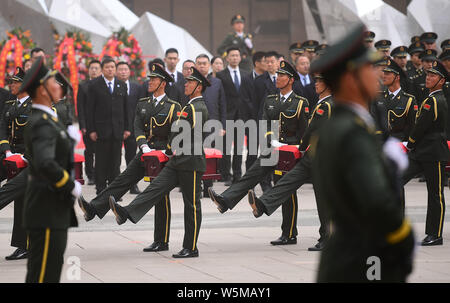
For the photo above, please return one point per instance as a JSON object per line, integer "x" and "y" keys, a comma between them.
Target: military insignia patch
{"x": 320, "y": 111}
{"x": 416, "y": 107}
{"x": 427, "y": 106}
{"x": 306, "y": 109}
{"x": 283, "y": 64}
{"x": 153, "y": 68}
{"x": 182, "y": 114}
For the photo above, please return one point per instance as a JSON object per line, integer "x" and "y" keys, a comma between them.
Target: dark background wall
{"x": 209, "y": 20}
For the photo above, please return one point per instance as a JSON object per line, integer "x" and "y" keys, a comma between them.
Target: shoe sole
{"x": 252, "y": 202}
{"x": 180, "y": 257}
{"x": 156, "y": 250}
{"x": 211, "y": 196}
{"x": 113, "y": 208}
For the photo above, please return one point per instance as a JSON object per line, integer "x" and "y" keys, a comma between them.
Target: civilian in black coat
{"x": 239, "y": 107}
{"x": 107, "y": 122}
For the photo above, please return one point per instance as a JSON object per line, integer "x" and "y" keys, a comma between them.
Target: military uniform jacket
{"x": 49, "y": 150}
{"x": 232, "y": 39}
{"x": 401, "y": 114}
{"x": 428, "y": 139}
{"x": 190, "y": 113}
{"x": 152, "y": 123}
{"x": 420, "y": 90}
{"x": 292, "y": 114}
{"x": 446, "y": 90}
{"x": 64, "y": 110}
{"x": 320, "y": 114}
{"x": 12, "y": 125}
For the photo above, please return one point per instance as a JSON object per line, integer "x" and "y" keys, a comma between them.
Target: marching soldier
{"x": 292, "y": 111}
{"x": 401, "y": 107}
{"x": 185, "y": 170}
{"x": 152, "y": 124}
{"x": 352, "y": 174}
{"x": 12, "y": 125}
{"x": 301, "y": 173}
{"x": 49, "y": 197}
{"x": 383, "y": 47}
{"x": 64, "y": 108}
{"x": 240, "y": 40}
{"x": 428, "y": 151}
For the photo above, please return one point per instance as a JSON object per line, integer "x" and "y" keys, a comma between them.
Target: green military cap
{"x": 400, "y": 51}
{"x": 415, "y": 39}
{"x": 286, "y": 68}
{"x": 383, "y": 45}
{"x": 369, "y": 36}
{"x": 18, "y": 76}
{"x": 445, "y": 45}
{"x": 197, "y": 76}
{"x": 393, "y": 67}
{"x": 445, "y": 55}
{"x": 158, "y": 71}
{"x": 416, "y": 47}
{"x": 65, "y": 84}
{"x": 35, "y": 76}
{"x": 237, "y": 18}
{"x": 310, "y": 45}
{"x": 429, "y": 54}
{"x": 296, "y": 48}
{"x": 321, "y": 49}
{"x": 439, "y": 69}
{"x": 382, "y": 61}
{"x": 347, "y": 54}
{"x": 428, "y": 37}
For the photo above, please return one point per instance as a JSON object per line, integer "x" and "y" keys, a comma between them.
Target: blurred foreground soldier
{"x": 51, "y": 189}
{"x": 240, "y": 40}
{"x": 295, "y": 51}
{"x": 368, "y": 39}
{"x": 414, "y": 66}
{"x": 429, "y": 153}
{"x": 12, "y": 126}
{"x": 384, "y": 47}
{"x": 429, "y": 40}
{"x": 184, "y": 170}
{"x": 152, "y": 123}
{"x": 355, "y": 179}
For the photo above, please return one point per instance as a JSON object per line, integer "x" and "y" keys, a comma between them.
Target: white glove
{"x": 8, "y": 154}
{"x": 24, "y": 159}
{"x": 393, "y": 151}
{"x": 74, "y": 133}
{"x": 76, "y": 191}
{"x": 276, "y": 143}
{"x": 145, "y": 149}
{"x": 249, "y": 43}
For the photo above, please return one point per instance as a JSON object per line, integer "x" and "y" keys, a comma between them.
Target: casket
{"x": 154, "y": 162}
{"x": 78, "y": 167}
{"x": 14, "y": 165}
{"x": 288, "y": 158}
{"x": 212, "y": 164}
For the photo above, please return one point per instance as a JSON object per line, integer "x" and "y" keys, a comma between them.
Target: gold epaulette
{"x": 173, "y": 102}
{"x": 144, "y": 99}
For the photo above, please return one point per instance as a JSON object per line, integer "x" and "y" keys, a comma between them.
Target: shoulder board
{"x": 144, "y": 99}
{"x": 173, "y": 102}
{"x": 10, "y": 101}
{"x": 406, "y": 94}
{"x": 299, "y": 97}
{"x": 272, "y": 96}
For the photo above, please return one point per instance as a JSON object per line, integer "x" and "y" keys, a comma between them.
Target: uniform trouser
{"x": 14, "y": 190}
{"x": 266, "y": 182}
{"x": 46, "y": 255}
{"x": 134, "y": 172}
{"x": 285, "y": 189}
{"x": 89, "y": 152}
{"x": 107, "y": 161}
{"x": 237, "y": 159}
{"x": 434, "y": 175}
{"x": 250, "y": 179}
{"x": 168, "y": 179}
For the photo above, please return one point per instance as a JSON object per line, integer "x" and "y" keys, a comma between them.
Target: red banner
{"x": 12, "y": 44}
{"x": 110, "y": 49}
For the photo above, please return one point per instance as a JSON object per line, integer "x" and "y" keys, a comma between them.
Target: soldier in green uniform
{"x": 295, "y": 51}
{"x": 153, "y": 120}
{"x": 64, "y": 108}
{"x": 414, "y": 66}
{"x": 368, "y": 40}
{"x": 292, "y": 111}
{"x": 241, "y": 40}
{"x": 301, "y": 173}
{"x": 185, "y": 169}
{"x": 310, "y": 49}
{"x": 445, "y": 45}
{"x": 51, "y": 189}
{"x": 401, "y": 107}
{"x": 353, "y": 175}
{"x": 383, "y": 47}
{"x": 12, "y": 125}
{"x": 320, "y": 49}
{"x": 421, "y": 92}
{"x": 429, "y": 40}
{"x": 428, "y": 151}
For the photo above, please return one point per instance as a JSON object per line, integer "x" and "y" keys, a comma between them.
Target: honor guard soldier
{"x": 64, "y": 108}
{"x": 445, "y": 60}
{"x": 301, "y": 173}
{"x": 369, "y": 36}
{"x": 384, "y": 47}
{"x": 51, "y": 189}
{"x": 401, "y": 107}
{"x": 420, "y": 90}
{"x": 295, "y": 51}
{"x": 414, "y": 66}
{"x": 353, "y": 176}
{"x": 184, "y": 170}
{"x": 429, "y": 40}
{"x": 240, "y": 40}
{"x": 445, "y": 45}
{"x": 429, "y": 153}
{"x": 310, "y": 48}
{"x": 152, "y": 124}
{"x": 12, "y": 125}
{"x": 320, "y": 50}
{"x": 292, "y": 111}
{"x": 377, "y": 108}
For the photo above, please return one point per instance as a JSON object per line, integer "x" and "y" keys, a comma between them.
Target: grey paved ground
{"x": 234, "y": 247}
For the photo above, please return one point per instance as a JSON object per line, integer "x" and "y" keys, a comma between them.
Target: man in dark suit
{"x": 175, "y": 89}
{"x": 133, "y": 92}
{"x": 238, "y": 88}
{"x": 95, "y": 70}
{"x": 305, "y": 87}
{"x": 107, "y": 123}
{"x": 259, "y": 64}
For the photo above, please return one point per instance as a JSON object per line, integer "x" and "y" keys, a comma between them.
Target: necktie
{"x": 283, "y": 99}
{"x": 304, "y": 81}
{"x": 236, "y": 81}
{"x": 155, "y": 102}
{"x": 173, "y": 76}
{"x": 128, "y": 88}
{"x": 110, "y": 87}
{"x": 274, "y": 80}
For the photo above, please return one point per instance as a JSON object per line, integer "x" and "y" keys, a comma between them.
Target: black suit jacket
{"x": 263, "y": 86}
{"x": 215, "y": 100}
{"x": 132, "y": 100}
{"x": 107, "y": 114}
{"x": 308, "y": 91}
{"x": 81, "y": 103}
{"x": 239, "y": 103}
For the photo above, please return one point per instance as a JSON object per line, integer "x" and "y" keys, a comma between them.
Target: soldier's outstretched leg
{"x": 13, "y": 189}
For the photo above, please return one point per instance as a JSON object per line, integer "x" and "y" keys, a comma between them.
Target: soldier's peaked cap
{"x": 393, "y": 67}
{"x": 286, "y": 68}
{"x": 197, "y": 76}
{"x": 439, "y": 69}
{"x": 237, "y": 18}
{"x": 18, "y": 76}
{"x": 157, "y": 70}
{"x": 36, "y": 76}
